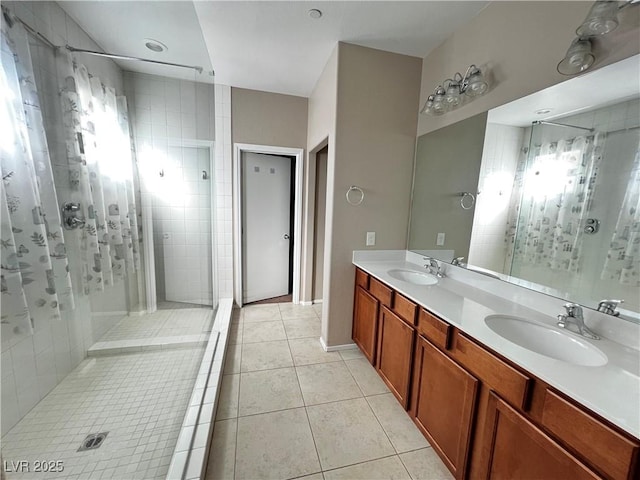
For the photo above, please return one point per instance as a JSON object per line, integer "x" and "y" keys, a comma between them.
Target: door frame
{"x": 151, "y": 295}
{"x": 298, "y": 153}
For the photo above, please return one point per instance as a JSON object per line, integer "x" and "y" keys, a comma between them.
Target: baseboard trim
{"x": 337, "y": 348}
{"x": 110, "y": 314}
{"x": 139, "y": 313}
{"x": 306, "y": 304}
{"x": 317, "y": 301}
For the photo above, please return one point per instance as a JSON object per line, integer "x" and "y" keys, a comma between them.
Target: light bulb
{"x": 602, "y": 19}
{"x": 476, "y": 84}
{"x": 452, "y": 97}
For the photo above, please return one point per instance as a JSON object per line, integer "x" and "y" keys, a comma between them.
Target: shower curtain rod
{"x": 9, "y": 17}
{"x": 540, "y": 122}
{"x": 139, "y": 59}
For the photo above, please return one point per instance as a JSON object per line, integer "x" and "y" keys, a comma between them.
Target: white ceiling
{"x": 266, "y": 45}
{"x": 608, "y": 85}
{"x": 121, "y": 26}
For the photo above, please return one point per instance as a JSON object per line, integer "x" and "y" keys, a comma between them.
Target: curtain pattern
{"x": 100, "y": 156}
{"x": 623, "y": 258}
{"x": 557, "y": 191}
{"x": 36, "y": 283}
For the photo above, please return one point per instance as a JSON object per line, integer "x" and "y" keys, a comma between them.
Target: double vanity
{"x": 491, "y": 380}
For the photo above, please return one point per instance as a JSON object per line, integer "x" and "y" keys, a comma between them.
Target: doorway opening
{"x": 179, "y": 213}
{"x": 319, "y": 224}
{"x": 267, "y": 205}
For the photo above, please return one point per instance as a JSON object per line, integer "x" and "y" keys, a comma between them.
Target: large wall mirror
{"x": 554, "y": 184}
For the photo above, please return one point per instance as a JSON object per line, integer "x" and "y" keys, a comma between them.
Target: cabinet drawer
{"x": 405, "y": 309}
{"x": 604, "y": 448}
{"x": 362, "y": 279}
{"x": 380, "y": 291}
{"x": 502, "y": 378}
{"x": 435, "y": 330}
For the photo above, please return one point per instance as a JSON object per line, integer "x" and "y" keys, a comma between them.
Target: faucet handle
{"x": 458, "y": 261}
{"x": 573, "y": 309}
{"x": 609, "y": 307}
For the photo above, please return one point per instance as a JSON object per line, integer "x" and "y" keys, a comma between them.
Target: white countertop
{"x": 611, "y": 390}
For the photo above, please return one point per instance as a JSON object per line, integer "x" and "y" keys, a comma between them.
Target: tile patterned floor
{"x": 288, "y": 409}
{"x": 139, "y": 398}
{"x": 162, "y": 323}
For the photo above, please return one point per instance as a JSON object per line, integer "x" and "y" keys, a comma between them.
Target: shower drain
{"x": 93, "y": 441}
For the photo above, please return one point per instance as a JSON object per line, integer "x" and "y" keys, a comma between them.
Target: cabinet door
{"x": 365, "y": 323}
{"x": 516, "y": 448}
{"x": 395, "y": 349}
{"x": 444, "y": 401}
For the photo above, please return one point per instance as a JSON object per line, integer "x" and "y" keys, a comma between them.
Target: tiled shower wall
{"x": 500, "y": 155}
{"x": 167, "y": 113}
{"x": 224, "y": 166}
{"x": 32, "y": 366}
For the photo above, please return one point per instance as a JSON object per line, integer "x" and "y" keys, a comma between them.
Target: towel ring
{"x": 353, "y": 188}
{"x": 467, "y": 205}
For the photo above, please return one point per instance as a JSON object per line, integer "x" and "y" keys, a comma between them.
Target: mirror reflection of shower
{"x": 563, "y": 189}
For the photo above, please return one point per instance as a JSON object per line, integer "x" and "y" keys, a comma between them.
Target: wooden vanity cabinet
{"x": 365, "y": 323}
{"x": 369, "y": 295}
{"x": 485, "y": 416}
{"x": 443, "y": 404}
{"x": 514, "y": 448}
{"x": 395, "y": 353}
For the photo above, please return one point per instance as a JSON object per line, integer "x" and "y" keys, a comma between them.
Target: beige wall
{"x": 321, "y": 133}
{"x": 263, "y": 118}
{"x": 376, "y": 123}
{"x": 522, "y": 42}
{"x": 447, "y": 163}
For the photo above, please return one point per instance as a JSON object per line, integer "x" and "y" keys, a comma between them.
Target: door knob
{"x": 286, "y": 236}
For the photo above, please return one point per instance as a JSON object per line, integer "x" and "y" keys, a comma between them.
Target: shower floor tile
{"x": 140, "y": 399}
{"x": 162, "y": 323}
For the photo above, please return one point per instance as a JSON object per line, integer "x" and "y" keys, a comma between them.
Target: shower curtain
{"x": 36, "y": 281}
{"x": 557, "y": 191}
{"x": 36, "y": 284}
{"x": 623, "y": 258}
{"x": 99, "y": 154}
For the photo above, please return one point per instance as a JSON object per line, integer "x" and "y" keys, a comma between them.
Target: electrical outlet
{"x": 371, "y": 239}
{"x": 440, "y": 240}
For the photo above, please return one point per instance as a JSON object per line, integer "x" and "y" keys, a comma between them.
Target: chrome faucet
{"x": 458, "y": 262}
{"x": 609, "y": 307}
{"x": 574, "y": 316}
{"x": 433, "y": 267}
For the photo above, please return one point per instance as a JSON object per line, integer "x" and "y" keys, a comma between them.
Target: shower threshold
{"x": 190, "y": 455}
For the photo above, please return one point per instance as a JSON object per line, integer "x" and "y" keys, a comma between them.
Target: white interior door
{"x": 266, "y": 219}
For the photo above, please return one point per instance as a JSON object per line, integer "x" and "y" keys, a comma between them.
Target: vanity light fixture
{"x": 456, "y": 91}
{"x": 578, "y": 58}
{"x": 601, "y": 19}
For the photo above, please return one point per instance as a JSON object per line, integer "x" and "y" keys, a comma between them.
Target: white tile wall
{"x": 32, "y": 366}
{"x": 502, "y": 144}
{"x": 224, "y": 215}
{"x": 167, "y": 113}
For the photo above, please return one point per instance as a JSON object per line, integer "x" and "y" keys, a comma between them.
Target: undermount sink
{"x": 546, "y": 341}
{"x": 411, "y": 276}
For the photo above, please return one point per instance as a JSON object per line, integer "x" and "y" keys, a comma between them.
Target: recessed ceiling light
{"x": 315, "y": 13}
{"x": 155, "y": 45}
{"x": 543, "y": 111}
